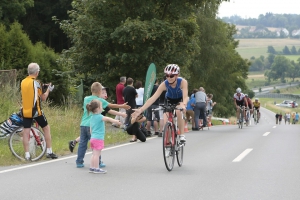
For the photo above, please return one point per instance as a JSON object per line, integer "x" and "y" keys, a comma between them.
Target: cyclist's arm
{"x": 245, "y": 100}
{"x": 234, "y": 100}
{"x": 185, "y": 97}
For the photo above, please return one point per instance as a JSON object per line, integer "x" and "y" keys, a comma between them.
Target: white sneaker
{"x": 182, "y": 138}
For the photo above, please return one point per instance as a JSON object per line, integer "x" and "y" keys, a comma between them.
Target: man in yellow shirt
{"x": 256, "y": 105}
{"x": 32, "y": 95}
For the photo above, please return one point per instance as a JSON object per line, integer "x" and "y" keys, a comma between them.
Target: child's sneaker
{"x": 99, "y": 171}
{"x": 72, "y": 145}
{"x": 92, "y": 170}
{"x": 101, "y": 165}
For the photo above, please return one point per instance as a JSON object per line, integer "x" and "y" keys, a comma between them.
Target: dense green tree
{"x": 218, "y": 67}
{"x": 11, "y": 10}
{"x": 279, "y": 68}
{"x": 257, "y": 65}
{"x": 17, "y": 51}
{"x": 286, "y": 51}
{"x": 271, "y": 50}
{"x": 294, "y": 50}
{"x": 38, "y": 23}
{"x": 111, "y": 39}
{"x": 293, "y": 71}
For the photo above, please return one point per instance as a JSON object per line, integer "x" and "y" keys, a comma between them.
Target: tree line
{"x": 276, "y": 67}
{"x": 288, "y": 21}
{"x": 285, "y": 51}
{"x": 291, "y": 22}
{"x": 103, "y": 40}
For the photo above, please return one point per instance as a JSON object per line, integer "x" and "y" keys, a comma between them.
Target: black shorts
{"x": 172, "y": 101}
{"x": 240, "y": 103}
{"x": 156, "y": 113}
{"x": 41, "y": 120}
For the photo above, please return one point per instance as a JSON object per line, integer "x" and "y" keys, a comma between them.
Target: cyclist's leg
{"x": 180, "y": 122}
{"x": 26, "y": 131}
{"x": 85, "y": 136}
{"x": 237, "y": 115}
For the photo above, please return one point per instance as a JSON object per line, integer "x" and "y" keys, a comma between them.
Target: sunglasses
{"x": 171, "y": 76}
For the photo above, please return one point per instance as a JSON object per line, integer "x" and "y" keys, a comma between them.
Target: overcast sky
{"x": 253, "y": 8}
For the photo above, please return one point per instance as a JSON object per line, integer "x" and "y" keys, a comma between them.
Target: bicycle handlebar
{"x": 169, "y": 108}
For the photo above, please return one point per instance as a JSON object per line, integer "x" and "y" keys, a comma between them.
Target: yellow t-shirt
{"x": 256, "y": 104}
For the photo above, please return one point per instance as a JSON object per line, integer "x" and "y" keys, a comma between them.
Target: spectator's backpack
{"x": 8, "y": 126}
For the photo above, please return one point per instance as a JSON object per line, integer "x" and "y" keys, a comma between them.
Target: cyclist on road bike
{"x": 240, "y": 100}
{"x": 250, "y": 104}
{"x": 256, "y": 105}
{"x": 177, "y": 92}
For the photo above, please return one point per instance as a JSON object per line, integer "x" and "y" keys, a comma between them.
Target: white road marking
{"x": 242, "y": 155}
{"x": 266, "y": 133}
{"x": 274, "y": 126}
{"x": 64, "y": 158}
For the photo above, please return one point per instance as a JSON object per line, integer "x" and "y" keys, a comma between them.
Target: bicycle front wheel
{"x": 168, "y": 147}
{"x": 255, "y": 117}
{"x": 179, "y": 153}
{"x": 37, "y": 144}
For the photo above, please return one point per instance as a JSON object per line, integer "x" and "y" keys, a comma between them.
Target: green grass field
{"x": 257, "y": 47}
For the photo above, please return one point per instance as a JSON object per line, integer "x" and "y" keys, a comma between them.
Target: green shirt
{"x": 85, "y": 120}
{"x": 97, "y": 126}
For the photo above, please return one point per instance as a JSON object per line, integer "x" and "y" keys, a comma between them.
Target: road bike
{"x": 255, "y": 115}
{"x": 171, "y": 143}
{"x": 248, "y": 118}
{"x": 241, "y": 117}
{"x": 37, "y": 143}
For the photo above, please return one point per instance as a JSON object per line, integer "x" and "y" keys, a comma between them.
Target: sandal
{"x": 133, "y": 140}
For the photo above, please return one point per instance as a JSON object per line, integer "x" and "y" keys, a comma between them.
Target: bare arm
{"x": 185, "y": 96}
{"x": 113, "y": 112}
{"x": 125, "y": 106}
{"x": 45, "y": 95}
{"x": 108, "y": 119}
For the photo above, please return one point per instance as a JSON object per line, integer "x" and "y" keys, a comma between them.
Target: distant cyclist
{"x": 256, "y": 105}
{"x": 177, "y": 93}
{"x": 240, "y": 101}
{"x": 250, "y": 104}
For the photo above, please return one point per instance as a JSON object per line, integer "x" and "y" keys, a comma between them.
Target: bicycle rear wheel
{"x": 179, "y": 153}
{"x": 37, "y": 144}
{"x": 168, "y": 147}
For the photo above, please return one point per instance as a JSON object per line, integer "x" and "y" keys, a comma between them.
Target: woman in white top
{"x": 140, "y": 90}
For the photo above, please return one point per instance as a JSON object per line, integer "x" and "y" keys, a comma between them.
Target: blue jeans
{"x": 85, "y": 136}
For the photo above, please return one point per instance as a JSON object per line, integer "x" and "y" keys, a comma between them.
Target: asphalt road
{"x": 258, "y": 162}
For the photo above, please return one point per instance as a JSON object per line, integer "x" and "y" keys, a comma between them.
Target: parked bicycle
{"x": 12, "y": 129}
{"x": 37, "y": 143}
{"x": 171, "y": 142}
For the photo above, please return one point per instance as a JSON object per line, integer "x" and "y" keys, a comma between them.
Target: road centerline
{"x": 242, "y": 155}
